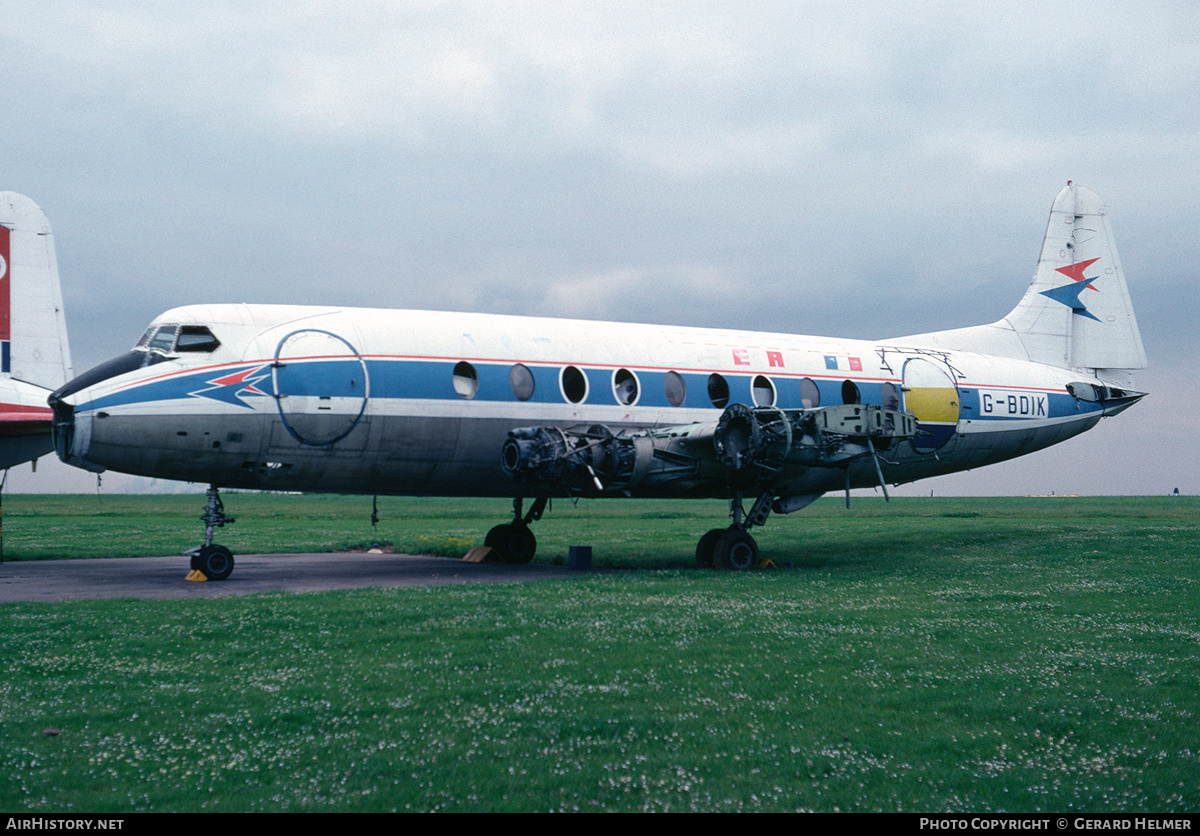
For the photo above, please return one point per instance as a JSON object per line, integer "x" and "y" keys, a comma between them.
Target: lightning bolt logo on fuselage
{"x": 233, "y": 388}
{"x": 1069, "y": 294}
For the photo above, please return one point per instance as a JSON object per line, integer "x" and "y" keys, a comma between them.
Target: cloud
{"x": 865, "y": 169}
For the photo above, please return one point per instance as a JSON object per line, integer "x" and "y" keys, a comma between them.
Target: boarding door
{"x": 931, "y": 396}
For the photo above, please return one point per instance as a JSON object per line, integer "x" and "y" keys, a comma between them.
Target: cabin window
{"x": 521, "y": 381}
{"x": 574, "y": 384}
{"x": 625, "y": 387}
{"x": 196, "y": 338}
{"x": 675, "y": 388}
{"x": 466, "y": 381}
{"x": 718, "y": 390}
{"x": 763, "y": 391}
{"x": 850, "y": 392}
{"x": 810, "y": 395}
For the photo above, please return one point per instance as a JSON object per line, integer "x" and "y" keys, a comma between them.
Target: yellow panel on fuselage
{"x": 933, "y": 404}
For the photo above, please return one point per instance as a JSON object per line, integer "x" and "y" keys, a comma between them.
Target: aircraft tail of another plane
{"x": 33, "y": 328}
{"x": 1077, "y": 312}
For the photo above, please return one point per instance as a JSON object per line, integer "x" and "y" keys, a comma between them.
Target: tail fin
{"x": 1076, "y": 313}
{"x": 33, "y": 329}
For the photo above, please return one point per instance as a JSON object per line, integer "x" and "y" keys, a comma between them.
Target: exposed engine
{"x": 747, "y": 446}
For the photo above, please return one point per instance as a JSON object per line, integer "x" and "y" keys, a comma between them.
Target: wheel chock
{"x": 196, "y": 575}
{"x": 478, "y": 554}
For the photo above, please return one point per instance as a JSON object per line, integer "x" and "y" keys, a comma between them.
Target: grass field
{"x": 1016, "y": 655}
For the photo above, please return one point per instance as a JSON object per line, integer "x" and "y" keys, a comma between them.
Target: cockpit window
{"x": 167, "y": 338}
{"x": 163, "y": 339}
{"x": 196, "y": 338}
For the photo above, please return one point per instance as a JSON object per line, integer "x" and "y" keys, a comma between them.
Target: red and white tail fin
{"x": 33, "y": 329}
{"x": 34, "y": 356}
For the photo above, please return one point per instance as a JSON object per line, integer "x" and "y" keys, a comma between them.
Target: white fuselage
{"x": 420, "y": 402}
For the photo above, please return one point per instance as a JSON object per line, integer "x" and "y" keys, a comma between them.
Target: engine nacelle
{"x": 746, "y": 446}
{"x": 765, "y": 439}
{"x": 573, "y": 458}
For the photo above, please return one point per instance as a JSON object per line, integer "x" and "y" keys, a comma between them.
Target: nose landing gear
{"x": 213, "y": 561}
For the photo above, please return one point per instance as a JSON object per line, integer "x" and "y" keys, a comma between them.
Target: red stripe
{"x": 19, "y": 412}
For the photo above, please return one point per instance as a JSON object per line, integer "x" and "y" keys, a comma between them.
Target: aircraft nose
{"x": 72, "y": 429}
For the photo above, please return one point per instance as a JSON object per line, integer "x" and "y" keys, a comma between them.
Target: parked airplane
{"x": 455, "y": 404}
{"x": 34, "y": 356}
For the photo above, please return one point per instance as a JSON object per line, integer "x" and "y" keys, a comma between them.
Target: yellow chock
{"x": 196, "y": 575}
{"x": 477, "y": 554}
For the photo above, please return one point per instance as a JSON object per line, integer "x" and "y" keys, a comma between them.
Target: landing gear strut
{"x": 216, "y": 562}
{"x": 514, "y": 542}
{"x": 734, "y": 548}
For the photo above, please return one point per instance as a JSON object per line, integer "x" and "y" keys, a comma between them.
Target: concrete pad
{"x": 165, "y": 577}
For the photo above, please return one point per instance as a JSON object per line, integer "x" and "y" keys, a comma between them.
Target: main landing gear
{"x": 734, "y": 547}
{"x": 514, "y": 542}
{"x": 215, "y": 562}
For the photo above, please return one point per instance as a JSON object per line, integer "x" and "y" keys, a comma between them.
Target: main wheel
{"x": 706, "y": 548}
{"x": 736, "y": 549}
{"x": 216, "y": 562}
{"x": 514, "y": 542}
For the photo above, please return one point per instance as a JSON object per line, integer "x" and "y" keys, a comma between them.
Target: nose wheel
{"x": 213, "y": 561}
{"x": 216, "y": 562}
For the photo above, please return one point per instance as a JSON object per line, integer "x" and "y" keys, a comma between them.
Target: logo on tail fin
{"x": 1069, "y": 294}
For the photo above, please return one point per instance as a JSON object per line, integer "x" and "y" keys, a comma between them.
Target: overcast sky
{"x": 861, "y": 169}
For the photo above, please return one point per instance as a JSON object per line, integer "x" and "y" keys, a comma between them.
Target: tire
{"x": 706, "y": 548}
{"x": 514, "y": 542}
{"x": 216, "y": 562}
{"x": 736, "y": 550}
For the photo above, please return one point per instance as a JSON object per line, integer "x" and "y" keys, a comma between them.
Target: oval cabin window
{"x": 718, "y": 390}
{"x": 466, "y": 381}
{"x": 521, "y": 381}
{"x": 574, "y": 384}
{"x": 625, "y": 387}
{"x": 763, "y": 391}
{"x": 675, "y": 388}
